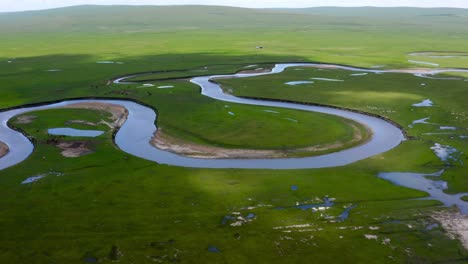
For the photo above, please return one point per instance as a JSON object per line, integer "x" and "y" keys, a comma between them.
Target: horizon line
{"x": 202, "y": 5}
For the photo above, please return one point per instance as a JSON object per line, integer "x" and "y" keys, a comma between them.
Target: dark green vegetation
{"x": 151, "y": 212}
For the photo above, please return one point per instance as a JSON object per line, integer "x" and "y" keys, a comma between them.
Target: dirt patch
{"x": 26, "y": 119}
{"x": 3, "y": 149}
{"x": 74, "y": 149}
{"x": 174, "y": 145}
{"x": 165, "y": 142}
{"x": 455, "y": 224}
{"x": 259, "y": 70}
{"x": 407, "y": 70}
{"x": 119, "y": 113}
{"x": 81, "y": 122}
{"x": 413, "y": 70}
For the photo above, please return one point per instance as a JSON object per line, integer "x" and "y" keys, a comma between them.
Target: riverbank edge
{"x": 44, "y": 103}
{"x": 132, "y": 75}
{"x": 116, "y": 130}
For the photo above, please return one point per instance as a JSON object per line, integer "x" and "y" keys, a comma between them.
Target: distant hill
{"x": 142, "y": 17}
{"x": 376, "y": 11}
{"x": 169, "y": 18}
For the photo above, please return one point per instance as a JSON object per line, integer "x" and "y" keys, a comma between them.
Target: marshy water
{"x": 72, "y": 132}
{"x": 429, "y": 183}
{"x": 345, "y": 214}
{"x": 426, "y": 102}
{"x": 435, "y": 188}
{"x": 298, "y": 82}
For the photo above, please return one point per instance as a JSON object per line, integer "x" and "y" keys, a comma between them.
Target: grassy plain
{"x": 391, "y": 95}
{"x": 157, "y": 213}
{"x": 166, "y": 213}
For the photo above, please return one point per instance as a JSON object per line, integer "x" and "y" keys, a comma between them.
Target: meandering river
{"x": 136, "y": 141}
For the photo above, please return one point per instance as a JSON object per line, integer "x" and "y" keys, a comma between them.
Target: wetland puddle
{"x": 290, "y": 119}
{"x": 72, "y": 132}
{"x": 213, "y": 249}
{"x": 33, "y": 179}
{"x": 447, "y": 128}
{"x": 40, "y": 176}
{"x": 298, "y": 82}
{"x": 359, "y": 74}
{"x": 327, "y": 79}
{"x": 435, "y": 188}
{"x": 420, "y": 121}
{"x": 424, "y": 103}
{"x": 327, "y": 203}
{"x": 436, "y": 55}
{"x": 445, "y": 153}
{"x": 431, "y": 76}
{"x": 146, "y": 85}
{"x": 423, "y": 63}
{"x": 345, "y": 214}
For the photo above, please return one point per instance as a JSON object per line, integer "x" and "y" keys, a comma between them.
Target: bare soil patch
{"x": 26, "y": 119}
{"x": 71, "y": 149}
{"x": 3, "y": 149}
{"x": 74, "y": 149}
{"x": 404, "y": 70}
{"x": 455, "y": 224}
{"x": 119, "y": 113}
{"x": 259, "y": 70}
{"x": 413, "y": 70}
{"x": 81, "y": 122}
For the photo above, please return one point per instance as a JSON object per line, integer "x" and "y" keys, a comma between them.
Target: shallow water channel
{"x": 136, "y": 141}
{"x": 435, "y": 188}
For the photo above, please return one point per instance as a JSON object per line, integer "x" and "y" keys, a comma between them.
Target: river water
{"x": 136, "y": 141}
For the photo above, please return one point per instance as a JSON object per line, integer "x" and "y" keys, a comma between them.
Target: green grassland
{"x": 152, "y": 211}
{"x": 195, "y": 113}
{"x": 374, "y": 93}
{"x": 187, "y": 115}
{"x": 378, "y": 93}
{"x": 61, "y": 118}
{"x": 166, "y": 214}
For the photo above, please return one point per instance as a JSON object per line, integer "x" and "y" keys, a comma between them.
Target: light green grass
{"x": 109, "y": 198}
{"x": 390, "y": 95}
{"x": 158, "y": 212}
{"x": 60, "y": 118}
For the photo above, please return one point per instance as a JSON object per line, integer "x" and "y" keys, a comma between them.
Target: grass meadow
{"x": 107, "y": 205}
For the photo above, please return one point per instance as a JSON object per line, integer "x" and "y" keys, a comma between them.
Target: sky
{"x": 21, "y": 5}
